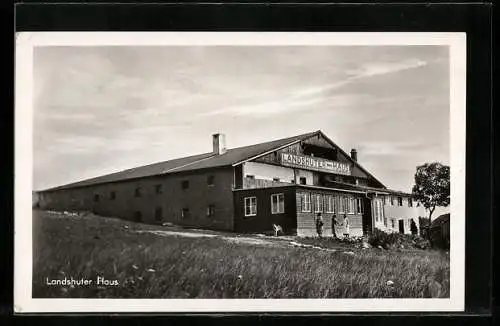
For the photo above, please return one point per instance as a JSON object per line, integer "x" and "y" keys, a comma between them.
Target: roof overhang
{"x": 267, "y": 152}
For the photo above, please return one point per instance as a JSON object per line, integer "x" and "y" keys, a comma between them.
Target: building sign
{"x": 314, "y": 163}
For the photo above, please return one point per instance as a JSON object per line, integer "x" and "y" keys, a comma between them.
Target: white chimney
{"x": 219, "y": 144}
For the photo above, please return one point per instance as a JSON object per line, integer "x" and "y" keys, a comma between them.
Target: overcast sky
{"x": 102, "y": 109}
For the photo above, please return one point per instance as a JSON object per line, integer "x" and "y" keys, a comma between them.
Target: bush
{"x": 421, "y": 243}
{"x": 397, "y": 240}
{"x": 382, "y": 239}
{"x": 351, "y": 240}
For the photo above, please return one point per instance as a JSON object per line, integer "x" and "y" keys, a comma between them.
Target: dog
{"x": 277, "y": 229}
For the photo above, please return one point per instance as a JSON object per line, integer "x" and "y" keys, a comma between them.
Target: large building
{"x": 247, "y": 189}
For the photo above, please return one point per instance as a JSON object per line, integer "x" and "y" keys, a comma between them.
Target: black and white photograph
{"x": 320, "y": 167}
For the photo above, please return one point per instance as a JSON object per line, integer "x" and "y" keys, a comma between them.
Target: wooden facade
{"x": 264, "y": 218}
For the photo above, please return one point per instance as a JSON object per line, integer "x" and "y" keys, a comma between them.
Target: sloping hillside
{"x": 112, "y": 258}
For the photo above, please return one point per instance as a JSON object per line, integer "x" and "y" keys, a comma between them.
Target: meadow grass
{"x": 152, "y": 266}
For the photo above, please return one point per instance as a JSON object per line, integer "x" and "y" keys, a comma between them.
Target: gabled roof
{"x": 231, "y": 157}
{"x": 333, "y": 145}
{"x": 196, "y": 162}
{"x": 353, "y": 161}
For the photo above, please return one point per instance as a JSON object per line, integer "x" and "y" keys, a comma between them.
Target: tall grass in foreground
{"x": 151, "y": 266}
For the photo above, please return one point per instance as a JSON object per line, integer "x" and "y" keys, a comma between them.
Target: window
{"x": 250, "y": 206}
{"x": 393, "y": 223}
{"x": 318, "y": 203}
{"x": 410, "y": 202}
{"x": 392, "y": 201}
{"x": 112, "y": 195}
{"x": 351, "y": 205}
{"x": 159, "y": 189}
{"x": 185, "y": 213}
{"x": 211, "y": 210}
{"x": 341, "y": 204}
{"x": 277, "y": 203}
{"x": 138, "y": 192}
{"x": 303, "y": 181}
{"x": 185, "y": 184}
{"x": 276, "y": 179}
{"x": 359, "y": 206}
{"x": 306, "y": 202}
{"x": 210, "y": 180}
{"x": 378, "y": 211}
{"x": 96, "y": 198}
{"x": 400, "y": 201}
{"x": 158, "y": 213}
{"x": 250, "y": 176}
{"x": 329, "y": 204}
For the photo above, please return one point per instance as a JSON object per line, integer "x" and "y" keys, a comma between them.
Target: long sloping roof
{"x": 196, "y": 162}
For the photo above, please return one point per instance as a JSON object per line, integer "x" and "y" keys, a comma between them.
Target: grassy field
{"x": 147, "y": 265}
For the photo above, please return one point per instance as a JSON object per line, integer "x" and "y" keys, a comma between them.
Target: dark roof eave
{"x": 135, "y": 178}
{"x": 360, "y": 191}
{"x": 303, "y": 186}
{"x": 181, "y": 167}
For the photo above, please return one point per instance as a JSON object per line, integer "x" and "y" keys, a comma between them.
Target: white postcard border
{"x": 25, "y": 43}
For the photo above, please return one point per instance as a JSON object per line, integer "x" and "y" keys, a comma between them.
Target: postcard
{"x": 200, "y": 172}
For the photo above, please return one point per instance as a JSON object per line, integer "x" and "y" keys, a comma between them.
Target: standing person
{"x": 334, "y": 226}
{"x": 319, "y": 225}
{"x": 346, "y": 226}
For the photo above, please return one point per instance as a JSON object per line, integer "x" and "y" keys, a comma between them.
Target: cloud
{"x": 391, "y": 148}
{"x": 305, "y": 97}
{"x": 310, "y": 91}
{"x": 77, "y": 144}
{"x": 366, "y": 71}
{"x": 120, "y": 107}
{"x": 384, "y": 68}
{"x": 286, "y": 105}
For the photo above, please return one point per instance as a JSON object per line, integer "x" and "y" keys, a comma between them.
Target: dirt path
{"x": 261, "y": 240}
{"x": 253, "y": 239}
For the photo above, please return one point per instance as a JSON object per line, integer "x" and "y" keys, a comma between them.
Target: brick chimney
{"x": 354, "y": 154}
{"x": 219, "y": 144}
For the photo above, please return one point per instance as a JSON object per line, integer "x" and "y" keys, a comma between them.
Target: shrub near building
{"x": 397, "y": 240}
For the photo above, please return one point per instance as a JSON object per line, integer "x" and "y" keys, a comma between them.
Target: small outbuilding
{"x": 440, "y": 231}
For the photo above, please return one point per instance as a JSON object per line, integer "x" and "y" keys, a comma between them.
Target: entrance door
{"x": 367, "y": 216}
{"x": 401, "y": 226}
